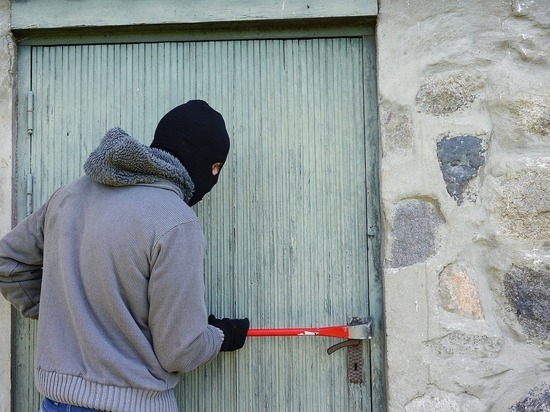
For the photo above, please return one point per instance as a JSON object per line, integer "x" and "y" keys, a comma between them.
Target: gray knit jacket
{"x": 112, "y": 266}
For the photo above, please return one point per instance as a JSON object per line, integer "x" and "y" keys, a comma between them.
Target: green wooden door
{"x": 291, "y": 226}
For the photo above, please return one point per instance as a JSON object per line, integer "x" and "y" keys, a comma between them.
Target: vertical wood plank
{"x": 24, "y": 330}
{"x": 376, "y": 304}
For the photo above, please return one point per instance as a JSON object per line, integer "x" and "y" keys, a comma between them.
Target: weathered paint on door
{"x": 287, "y": 228}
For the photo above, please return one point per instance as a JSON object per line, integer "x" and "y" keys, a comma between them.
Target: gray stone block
{"x": 528, "y": 292}
{"x": 460, "y": 158}
{"x": 413, "y": 239}
{"x": 538, "y": 399}
{"x": 523, "y": 203}
{"x": 448, "y": 94}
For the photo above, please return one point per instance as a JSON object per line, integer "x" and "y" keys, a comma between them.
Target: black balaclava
{"x": 196, "y": 134}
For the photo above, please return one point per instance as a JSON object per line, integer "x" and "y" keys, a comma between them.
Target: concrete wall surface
{"x": 7, "y": 81}
{"x": 464, "y": 94}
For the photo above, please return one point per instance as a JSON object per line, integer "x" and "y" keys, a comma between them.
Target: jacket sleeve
{"x": 21, "y": 264}
{"x": 182, "y": 338}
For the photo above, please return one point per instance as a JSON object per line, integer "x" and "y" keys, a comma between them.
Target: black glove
{"x": 234, "y": 331}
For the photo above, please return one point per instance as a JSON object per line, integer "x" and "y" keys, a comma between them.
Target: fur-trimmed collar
{"x": 120, "y": 160}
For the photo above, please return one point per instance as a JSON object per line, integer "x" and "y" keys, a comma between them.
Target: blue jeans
{"x": 51, "y": 406}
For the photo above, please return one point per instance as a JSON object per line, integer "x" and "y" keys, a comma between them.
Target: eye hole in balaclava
{"x": 196, "y": 134}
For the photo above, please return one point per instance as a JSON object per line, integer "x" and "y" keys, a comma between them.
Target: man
{"x": 112, "y": 267}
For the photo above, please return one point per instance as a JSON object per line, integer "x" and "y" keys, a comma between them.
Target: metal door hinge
{"x": 30, "y": 131}
{"x": 30, "y": 186}
{"x": 30, "y": 112}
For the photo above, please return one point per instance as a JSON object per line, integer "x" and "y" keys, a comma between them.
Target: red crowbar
{"x": 361, "y": 331}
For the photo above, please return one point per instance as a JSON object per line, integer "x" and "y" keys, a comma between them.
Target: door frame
{"x": 316, "y": 30}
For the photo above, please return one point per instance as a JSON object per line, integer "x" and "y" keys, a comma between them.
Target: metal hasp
{"x": 361, "y": 328}
{"x": 357, "y": 330}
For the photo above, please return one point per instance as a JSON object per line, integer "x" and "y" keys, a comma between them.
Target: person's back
{"x": 113, "y": 266}
{"x": 117, "y": 244}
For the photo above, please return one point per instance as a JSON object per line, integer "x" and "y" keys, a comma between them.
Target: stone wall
{"x": 464, "y": 89}
{"x": 7, "y": 80}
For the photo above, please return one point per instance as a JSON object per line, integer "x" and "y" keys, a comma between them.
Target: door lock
{"x": 355, "y": 349}
{"x": 355, "y": 332}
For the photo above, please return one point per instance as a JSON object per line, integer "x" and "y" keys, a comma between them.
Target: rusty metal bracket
{"x": 355, "y": 332}
{"x": 355, "y": 363}
{"x": 355, "y": 351}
